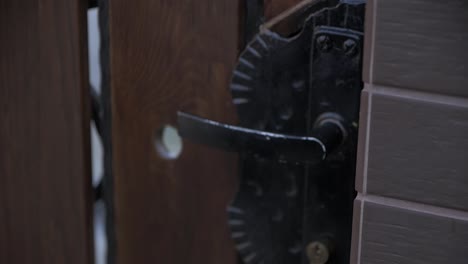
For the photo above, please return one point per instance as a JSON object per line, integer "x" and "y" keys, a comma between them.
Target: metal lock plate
{"x": 298, "y": 105}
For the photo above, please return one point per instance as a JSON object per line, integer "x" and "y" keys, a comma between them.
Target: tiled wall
{"x": 412, "y": 171}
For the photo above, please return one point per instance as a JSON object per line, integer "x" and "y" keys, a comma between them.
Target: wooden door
{"x": 167, "y": 56}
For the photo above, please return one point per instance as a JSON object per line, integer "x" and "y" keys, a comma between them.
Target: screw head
{"x": 350, "y": 47}
{"x": 286, "y": 112}
{"x": 317, "y": 252}
{"x": 323, "y": 43}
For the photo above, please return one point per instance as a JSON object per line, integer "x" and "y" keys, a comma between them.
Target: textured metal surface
{"x": 262, "y": 144}
{"x": 335, "y": 87}
{"x": 253, "y": 18}
{"x": 287, "y": 86}
{"x": 283, "y": 85}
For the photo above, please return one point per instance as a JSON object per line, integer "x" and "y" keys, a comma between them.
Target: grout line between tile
{"x": 361, "y": 221}
{"x": 366, "y": 144}
{"x": 416, "y": 207}
{"x": 420, "y": 96}
{"x": 374, "y": 21}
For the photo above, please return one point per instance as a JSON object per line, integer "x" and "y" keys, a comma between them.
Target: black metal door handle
{"x": 297, "y": 100}
{"x": 327, "y": 134}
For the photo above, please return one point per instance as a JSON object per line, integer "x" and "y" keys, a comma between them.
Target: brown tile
{"x": 418, "y": 149}
{"x": 422, "y": 44}
{"x": 392, "y": 234}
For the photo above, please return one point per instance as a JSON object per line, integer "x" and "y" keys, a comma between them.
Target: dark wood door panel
{"x": 168, "y": 56}
{"x": 45, "y": 180}
{"x": 276, "y": 7}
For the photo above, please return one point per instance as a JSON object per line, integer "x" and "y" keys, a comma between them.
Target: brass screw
{"x": 317, "y": 252}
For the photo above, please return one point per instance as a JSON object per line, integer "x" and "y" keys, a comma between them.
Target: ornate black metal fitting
{"x": 297, "y": 99}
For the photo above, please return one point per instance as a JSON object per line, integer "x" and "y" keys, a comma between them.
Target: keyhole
{"x": 168, "y": 142}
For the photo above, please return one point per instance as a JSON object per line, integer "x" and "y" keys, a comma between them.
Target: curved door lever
{"x": 326, "y": 136}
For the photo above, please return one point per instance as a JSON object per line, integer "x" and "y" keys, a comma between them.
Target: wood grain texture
{"x": 276, "y": 7}
{"x": 45, "y": 177}
{"x": 168, "y": 56}
{"x": 422, "y": 45}
{"x": 403, "y": 235}
{"x": 418, "y": 149}
{"x": 289, "y": 20}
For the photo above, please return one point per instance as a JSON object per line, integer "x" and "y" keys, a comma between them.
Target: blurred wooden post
{"x": 45, "y": 181}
